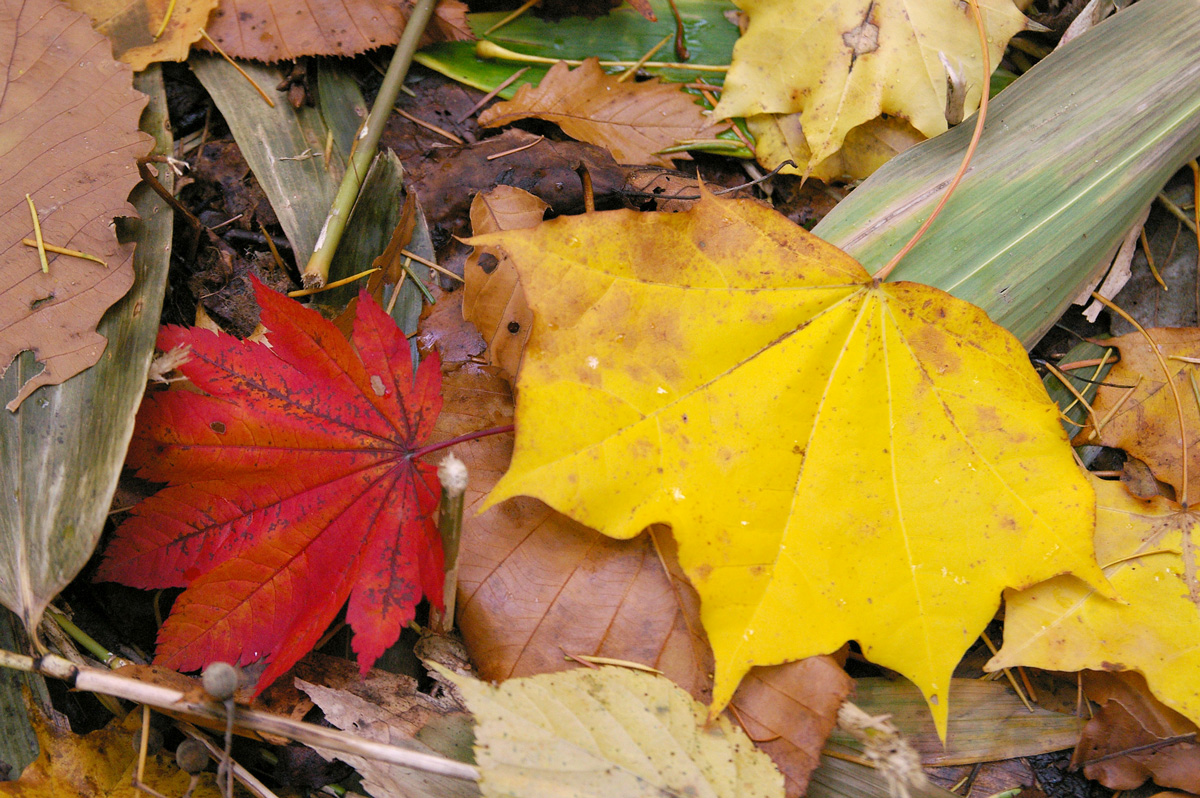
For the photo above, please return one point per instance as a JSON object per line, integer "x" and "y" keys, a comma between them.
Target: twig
{"x": 234, "y": 64}
{"x": 96, "y": 680}
{"x": 528, "y": 4}
{"x": 316, "y": 273}
{"x": 430, "y": 126}
{"x": 74, "y": 253}
{"x": 37, "y": 233}
{"x": 487, "y": 49}
{"x": 628, "y": 73}
{"x": 492, "y": 94}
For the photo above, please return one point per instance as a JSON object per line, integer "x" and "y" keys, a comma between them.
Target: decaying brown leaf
{"x": 266, "y": 30}
{"x": 1146, "y": 424}
{"x": 535, "y": 586}
{"x": 1130, "y": 717}
{"x": 632, "y": 120}
{"x": 492, "y": 297}
{"x": 69, "y": 127}
{"x": 388, "y": 708}
{"x": 133, "y": 26}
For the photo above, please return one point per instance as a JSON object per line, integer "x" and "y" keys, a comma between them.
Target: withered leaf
{"x": 632, "y": 120}
{"x": 69, "y": 123}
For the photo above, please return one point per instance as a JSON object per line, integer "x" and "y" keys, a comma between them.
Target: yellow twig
{"x": 74, "y": 253}
{"x": 487, "y": 49}
{"x": 37, "y": 232}
{"x": 1011, "y": 680}
{"x": 166, "y": 20}
{"x": 528, "y": 4}
{"x": 334, "y": 284}
{"x": 628, "y": 73}
{"x": 234, "y": 64}
{"x": 431, "y": 265}
{"x": 1150, "y": 258}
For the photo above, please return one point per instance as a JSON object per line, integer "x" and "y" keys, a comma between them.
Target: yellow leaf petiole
{"x": 74, "y": 253}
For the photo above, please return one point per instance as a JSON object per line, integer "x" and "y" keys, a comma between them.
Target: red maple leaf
{"x": 292, "y": 486}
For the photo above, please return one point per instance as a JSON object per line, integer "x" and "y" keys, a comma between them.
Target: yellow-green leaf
{"x": 1146, "y": 550}
{"x": 841, "y": 63}
{"x": 608, "y": 732}
{"x": 839, "y": 460}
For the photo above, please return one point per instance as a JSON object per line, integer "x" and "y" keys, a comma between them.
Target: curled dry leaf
{"x": 133, "y": 27}
{"x": 492, "y": 297}
{"x": 721, "y": 370}
{"x": 1146, "y": 424}
{"x": 633, "y": 120}
{"x": 850, "y": 61}
{"x": 1130, "y": 717}
{"x": 535, "y": 585}
{"x": 69, "y": 123}
{"x": 274, "y": 30}
{"x": 389, "y": 708}
{"x": 1146, "y": 549}
{"x": 780, "y": 137}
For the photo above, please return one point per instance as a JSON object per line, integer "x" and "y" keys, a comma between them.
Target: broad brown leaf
{"x": 274, "y": 30}
{"x": 1130, "y": 717}
{"x": 292, "y": 488}
{"x": 492, "y": 297}
{"x": 69, "y": 133}
{"x": 633, "y": 120}
{"x": 534, "y": 585}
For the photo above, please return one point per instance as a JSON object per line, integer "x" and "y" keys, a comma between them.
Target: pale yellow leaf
{"x": 608, "y": 732}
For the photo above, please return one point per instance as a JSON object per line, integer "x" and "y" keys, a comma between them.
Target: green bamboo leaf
{"x": 987, "y": 723}
{"x": 1072, "y": 152}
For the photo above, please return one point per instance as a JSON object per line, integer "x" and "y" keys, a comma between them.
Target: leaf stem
{"x": 452, "y": 473}
{"x": 316, "y": 273}
{"x": 470, "y": 436}
{"x": 883, "y": 273}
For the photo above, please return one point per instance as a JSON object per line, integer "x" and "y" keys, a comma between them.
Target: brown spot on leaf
{"x": 863, "y": 39}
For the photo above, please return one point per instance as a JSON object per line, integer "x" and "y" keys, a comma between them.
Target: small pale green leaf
{"x": 608, "y": 732}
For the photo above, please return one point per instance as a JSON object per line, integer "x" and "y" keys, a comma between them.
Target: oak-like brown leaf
{"x": 632, "y": 120}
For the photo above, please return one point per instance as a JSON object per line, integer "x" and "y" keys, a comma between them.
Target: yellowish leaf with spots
{"x": 134, "y": 25}
{"x": 839, "y": 460}
{"x": 1147, "y": 551}
{"x": 841, "y": 63}
{"x": 99, "y": 764}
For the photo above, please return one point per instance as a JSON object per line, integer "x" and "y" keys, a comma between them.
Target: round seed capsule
{"x": 220, "y": 680}
{"x": 191, "y": 756}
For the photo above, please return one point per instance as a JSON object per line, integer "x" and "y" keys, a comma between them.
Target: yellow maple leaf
{"x": 839, "y": 459}
{"x": 1146, "y": 550}
{"x": 841, "y": 63}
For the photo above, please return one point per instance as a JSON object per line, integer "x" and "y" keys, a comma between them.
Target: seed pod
{"x": 154, "y": 741}
{"x": 220, "y": 680}
{"x": 191, "y": 756}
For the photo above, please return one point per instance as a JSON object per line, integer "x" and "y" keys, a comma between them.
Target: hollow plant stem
{"x": 452, "y": 473}
{"x": 316, "y": 273}
{"x": 100, "y": 681}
